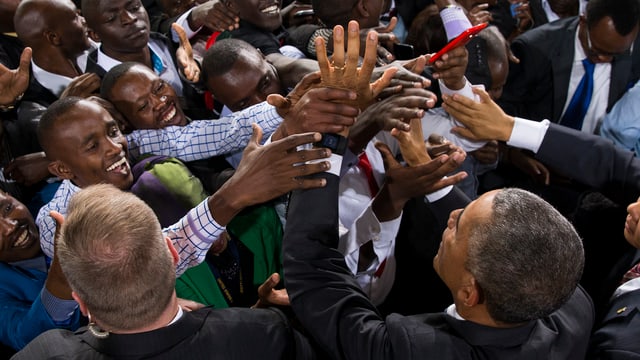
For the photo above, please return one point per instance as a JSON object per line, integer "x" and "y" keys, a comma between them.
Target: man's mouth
{"x": 271, "y": 10}
{"x": 121, "y": 166}
{"x": 169, "y": 115}
{"x": 22, "y": 239}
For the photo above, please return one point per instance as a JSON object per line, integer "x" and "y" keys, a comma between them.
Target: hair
{"x": 624, "y": 13}
{"x": 487, "y": 47}
{"x": 89, "y": 8}
{"x": 426, "y": 32}
{"x": 115, "y": 257}
{"x": 112, "y": 76}
{"x": 55, "y": 112}
{"x": 527, "y": 258}
{"x": 222, "y": 55}
{"x": 333, "y": 13}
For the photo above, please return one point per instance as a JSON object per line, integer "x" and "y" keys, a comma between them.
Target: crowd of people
{"x": 178, "y": 177}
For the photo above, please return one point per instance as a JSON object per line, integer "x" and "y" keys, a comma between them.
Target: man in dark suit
{"x": 122, "y": 272}
{"x": 543, "y": 83}
{"x": 517, "y": 306}
{"x": 598, "y": 163}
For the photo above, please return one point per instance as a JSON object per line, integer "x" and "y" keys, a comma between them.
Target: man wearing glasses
{"x": 573, "y": 70}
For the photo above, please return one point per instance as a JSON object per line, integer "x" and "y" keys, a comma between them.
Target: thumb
{"x": 256, "y": 136}
{"x": 25, "y": 61}
{"x": 59, "y": 218}
{"x": 182, "y": 35}
{"x": 482, "y": 93}
{"x": 279, "y": 101}
{"x": 389, "y": 161}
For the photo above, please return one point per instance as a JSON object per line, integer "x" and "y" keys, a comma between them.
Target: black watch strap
{"x": 337, "y": 143}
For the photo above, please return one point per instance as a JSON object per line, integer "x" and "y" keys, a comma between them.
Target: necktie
{"x": 366, "y": 250}
{"x": 365, "y": 166}
{"x": 633, "y": 273}
{"x": 579, "y": 104}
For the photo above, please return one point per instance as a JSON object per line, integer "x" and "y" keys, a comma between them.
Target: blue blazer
{"x": 22, "y": 314}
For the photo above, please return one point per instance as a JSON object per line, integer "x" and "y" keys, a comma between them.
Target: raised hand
{"x": 412, "y": 145}
{"x": 391, "y": 113}
{"x": 13, "y": 83}
{"x": 483, "y": 120}
{"x": 479, "y": 14}
{"x": 405, "y": 182}
{"x": 309, "y": 108}
{"x": 184, "y": 55}
{"x": 343, "y": 73}
{"x": 56, "y": 282}
{"x": 269, "y": 296}
{"x": 266, "y": 172}
{"x": 214, "y": 15}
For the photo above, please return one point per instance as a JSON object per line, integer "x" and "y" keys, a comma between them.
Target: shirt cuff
{"x": 202, "y": 223}
{"x": 466, "y": 91}
{"x": 182, "y": 21}
{"x": 439, "y": 194}
{"x": 527, "y": 134}
{"x": 61, "y": 311}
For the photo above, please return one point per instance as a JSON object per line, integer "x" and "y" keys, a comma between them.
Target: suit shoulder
{"x": 57, "y": 344}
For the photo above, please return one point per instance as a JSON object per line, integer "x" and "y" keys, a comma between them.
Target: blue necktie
{"x": 579, "y": 104}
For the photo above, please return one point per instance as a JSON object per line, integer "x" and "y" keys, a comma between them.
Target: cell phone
{"x": 460, "y": 40}
{"x": 403, "y": 51}
{"x": 514, "y": 9}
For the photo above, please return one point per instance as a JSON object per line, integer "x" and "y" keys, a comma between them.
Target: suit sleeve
{"x": 593, "y": 161}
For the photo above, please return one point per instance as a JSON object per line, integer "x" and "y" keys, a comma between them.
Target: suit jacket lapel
{"x": 561, "y": 63}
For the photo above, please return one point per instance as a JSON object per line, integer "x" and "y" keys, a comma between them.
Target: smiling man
{"x": 32, "y": 302}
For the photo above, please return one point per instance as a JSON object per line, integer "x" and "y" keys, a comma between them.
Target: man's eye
{"x": 143, "y": 107}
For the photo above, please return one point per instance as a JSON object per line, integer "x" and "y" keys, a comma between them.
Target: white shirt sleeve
{"x": 527, "y": 134}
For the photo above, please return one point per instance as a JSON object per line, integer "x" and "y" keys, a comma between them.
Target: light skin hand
{"x": 412, "y": 145}
{"x": 28, "y": 169}
{"x": 269, "y": 296}
{"x": 343, "y": 73}
{"x": 483, "y": 120}
{"x": 405, "y": 182}
{"x": 214, "y": 15}
{"x": 56, "y": 282}
{"x": 83, "y": 86}
{"x": 14, "y": 83}
{"x": 266, "y": 172}
{"x": 184, "y": 55}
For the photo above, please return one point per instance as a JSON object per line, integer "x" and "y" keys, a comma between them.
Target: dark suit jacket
{"x": 332, "y": 307}
{"x": 618, "y": 334}
{"x": 537, "y": 87}
{"x": 233, "y": 333}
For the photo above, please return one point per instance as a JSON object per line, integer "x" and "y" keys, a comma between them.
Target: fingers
{"x": 389, "y": 27}
{"x": 256, "y": 135}
{"x": 25, "y": 62}
{"x": 370, "y": 55}
{"x": 59, "y": 218}
{"x": 353, "y": 49}
{"x": 388, "y": 159}
{"x": 338, "y": 56}
{"x": 181, "y": 33}
{"x": 278, "y": 101}
{"x": 321, "y": 54}
{"x": 464, "y": 132}
{"x": 384, "y": 54}
{"x": 380, "y": 84}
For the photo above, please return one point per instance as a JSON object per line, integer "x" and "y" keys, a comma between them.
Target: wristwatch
{"x": 337, "y": 143}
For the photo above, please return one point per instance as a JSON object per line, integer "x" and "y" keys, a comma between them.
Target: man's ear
{"x": 81, "y": 304}
{"x": 93, "y": 35}
{"x": 172, "y": 250}
{"x": 362, "y": 8}
{"x": 473, "y": 294}
{"x": 52, "y": 37}
{"x": 60, "y": 170}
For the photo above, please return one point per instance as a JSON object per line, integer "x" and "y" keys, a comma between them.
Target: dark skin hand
{"x": 405, "y": 182}
{"x": 268, "y": 295}
{"x": 14, "y": 83}
{"x": 28, "y": 169}
{"x": 56, "y": 282}
{"x": 83, "y": 86}
{"x": 214, "y": 15}
{"x": 266, "y": 172}
{"x": 488, "y": 154}
{"x": 184, "y": 56}
{"x": 391, "y": 113}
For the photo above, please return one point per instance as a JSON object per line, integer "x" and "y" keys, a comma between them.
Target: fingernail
{"x": 338, "y": 31}
{"x": 372, "y": 36}
{"x": 353, "y": 27}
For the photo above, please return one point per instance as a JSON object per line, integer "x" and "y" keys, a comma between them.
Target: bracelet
{"x": 5, "y": 108}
